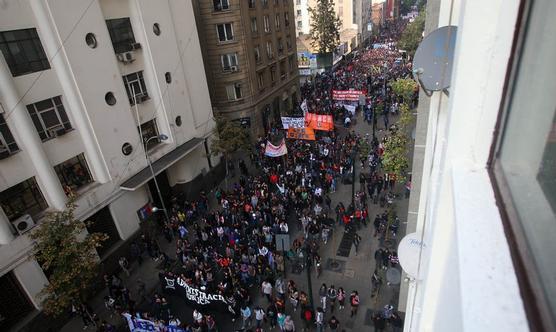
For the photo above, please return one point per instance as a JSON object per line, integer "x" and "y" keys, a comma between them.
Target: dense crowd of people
{"x": 230, "y": 248}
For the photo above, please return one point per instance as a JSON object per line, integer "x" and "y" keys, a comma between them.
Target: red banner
{"x": 301, "y": 133}
{"x": 319, "y": 121}
{"x": 351, "y": 95}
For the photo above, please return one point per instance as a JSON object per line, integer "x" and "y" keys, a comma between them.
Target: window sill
{"x": 51, "y": 138}
{"x": 222, "y": 11}
{"x": 226, "y": 42}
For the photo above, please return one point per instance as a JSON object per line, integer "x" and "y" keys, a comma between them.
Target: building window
{"x": 121, "y": 34}
{"x": 229, "y": 62}
{"x": 283, "y": 74}
{"x": 299, "y": 12}
{"x": 149, "y": 129}
{"x": 49, "y": 117}
{"x": 277, "y": 21}
{"x": 257, "y": 52}
{"x": 135, "y": 87}
{"x": 225, "y": 32}
{"x": 269, "y": 51}
{"x": 273, "y": 73}
{"x": 291, "y": 63}
{"x": 7, "y": 141}
{"x": 252, "y": 4}
{"x": 266, "y": 23}
{"x": 254, "y": 27}
{"x": 288, "y": 43}
{"x": 265, "y": 3}
{"x": 299, "y": 24}
{"x": 280, "y": 47}
{"x": 23, "y": 198}
{"x": 524, "y": 161}
{"x": 220, "y": 5}
{"x": 298, "y": 2}
{"x": 260, "y": 79}
{"x": 73, "y": 173}
{"x": 276, "y": 2}
{"x": 234, "y": 91}
{"x": 23, "y": 51}
{"x": 287, "y": 19}
{"x": 14, "y": 302}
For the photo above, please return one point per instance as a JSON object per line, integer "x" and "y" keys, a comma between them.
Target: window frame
{"x": 286, "y": 19}
{"x": 257, "y": 54}
{"x": 67, "y": 166}
{"x": 119, "y": 43}
{"x": 266, "y": 24}
{"x": 260, "y": 79}
{"x": 5, "y": 133}
{"x": 229, "y": 56}
{"x": 35, "y": 193}
{"x": 252, "y": 4}
{"x": 236, "y": 89}
{"x": 269, "y": 50}
{"x": 227, "y": 39}
{"x": 536, "y": 304}
{"x": 152, "y": 127}
{"x": 37, "y": 117}
{"x": 16, "y": 66}
{"x": 277, "y": 23}
{"x": 216, "y": 3}
{"x": 254, "y": 25}
{"x": 140, "y": 82}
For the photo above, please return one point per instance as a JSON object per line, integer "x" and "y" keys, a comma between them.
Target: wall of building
{"x": 467, "y": 280}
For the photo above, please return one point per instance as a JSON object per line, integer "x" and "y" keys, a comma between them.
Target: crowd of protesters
{"x": 230, "y": 248}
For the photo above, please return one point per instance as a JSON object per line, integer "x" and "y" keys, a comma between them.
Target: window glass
{"x": 7, "y": 141}
{"x": 23, "y": 198}
{"x": 525, "y": 159}
{"x": 135, "y": 83}
{"x": 149, "y": 129}
{"x": 49, "y": 117}
{"x": 73, "y": 174}
{"x": 121, "y": 34}
{"x": 23, "y": 51}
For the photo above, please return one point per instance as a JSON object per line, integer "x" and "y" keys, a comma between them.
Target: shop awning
{"x": 161, "y": 164}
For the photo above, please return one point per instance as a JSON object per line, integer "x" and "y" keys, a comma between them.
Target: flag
{"x": 319, "y": 121}
{"x": 301, "y": 133}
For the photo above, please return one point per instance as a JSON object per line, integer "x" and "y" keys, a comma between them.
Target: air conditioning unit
{"x": 136, "y": 46}
{"x": 23, "y": 223}
{"x": 234, "y": 68}
{"x": 62, "y": 131}
{"x": 142, "y": 98}
{"x": 126, "y": 57}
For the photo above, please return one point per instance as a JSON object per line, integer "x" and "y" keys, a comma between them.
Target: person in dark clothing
{"x": 379, "y": 322}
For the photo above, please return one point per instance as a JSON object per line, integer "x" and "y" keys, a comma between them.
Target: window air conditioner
{"x": 23, "y": 223}
{"x": 126, "y": 57}
{"x": 142, "y": 98}
{"x": 234, "y": 68}
{"x": 136, "y": 46}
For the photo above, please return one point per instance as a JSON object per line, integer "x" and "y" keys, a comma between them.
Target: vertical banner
{"x": 304, "y": 107}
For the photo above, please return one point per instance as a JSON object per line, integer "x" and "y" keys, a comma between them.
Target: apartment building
{"x": 250, "y": 59}
{"x": 302, "y": 16}
{"x": 88, "y": 91}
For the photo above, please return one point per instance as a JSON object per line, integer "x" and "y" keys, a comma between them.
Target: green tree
{"x": 405, "y": 88}
{"x": 231, "y": 138}
{"x": 412, "y": 35}
{"x": 394, "y": 158}
{"x": 70, "y": 256}
{"x": 405, "y": 6}
{"x": 325, "y": 27}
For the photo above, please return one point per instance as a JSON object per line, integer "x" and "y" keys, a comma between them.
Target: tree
{"x": 405, "y": 88}
{"x": 405, "y": 6}
{"x": 69, "y": 256}
{"x": 231, "y": 138}
{"x": 394, "y": 158}
{"x": 325, "y": 27}
{"x": 412, "y": 35}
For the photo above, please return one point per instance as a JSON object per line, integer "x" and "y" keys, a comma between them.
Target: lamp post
{"x": 161, "y": 137}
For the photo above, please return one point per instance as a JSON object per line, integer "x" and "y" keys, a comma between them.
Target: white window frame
{"x": 280, "y": 46}
{"x": 257, "y": 53}
{"x": 277, "y": 21}
{"x": 4, "y": 146}
{"x": 269, "y": 50}
{"x": 221, "y": 3}
{"x": 48, "y": 131}
{"x": 260, "y": 79}
{"x": 265, "y": 3}
{"x": 287, "y": 19}
{"x": 140, "y": 82}
{"x": 226, "y": 37}
{"x": 231, "y": 59}
{"x": 234, "y": 91}
{"x": 266, "y": 23}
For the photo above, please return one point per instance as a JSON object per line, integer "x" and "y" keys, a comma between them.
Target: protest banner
{"x": 350, "y": 108}
{"x": 289, "y": 122}
{"x": 196, "y": 297}
{"x": 301, "y": 133}
{"x": 351, "y": 95}
{"x": 319, "y": 121}
{"x": 304, "y": 107}
{"x": 276, "y": 151}
{"x": 143, "y": 325}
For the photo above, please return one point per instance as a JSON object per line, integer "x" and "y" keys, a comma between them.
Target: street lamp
{"x": 161, "y": 137}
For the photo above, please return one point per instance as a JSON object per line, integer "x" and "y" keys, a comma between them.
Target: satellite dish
{"x": 432, "y": 63}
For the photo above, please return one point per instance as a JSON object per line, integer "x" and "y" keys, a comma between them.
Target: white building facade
{"x": 83, "y": 84}
{"x": 302, "y": 16}
{"x": 488, "y": 263}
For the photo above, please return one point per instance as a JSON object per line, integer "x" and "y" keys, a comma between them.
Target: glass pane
{"x": 44, "y": 104}
{"x": 528, "y": 152}
{"x": 50, "y": 119}
{"x": 221, "y": 32}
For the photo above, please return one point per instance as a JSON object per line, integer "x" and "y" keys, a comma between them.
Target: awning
{"x": 161, "y": 164}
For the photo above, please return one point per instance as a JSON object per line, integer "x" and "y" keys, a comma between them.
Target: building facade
{"x": 302, "y": 16}
{"x": 83, "y": 86}
{"x": 250, "y": 58}
{"x": 483, "y": 200}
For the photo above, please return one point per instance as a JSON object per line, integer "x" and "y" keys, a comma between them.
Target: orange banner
{"x": 301, "y": 133}
{"x": 319, "y": 121}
